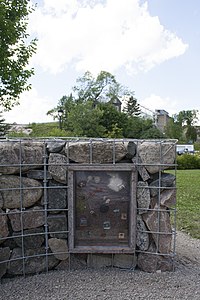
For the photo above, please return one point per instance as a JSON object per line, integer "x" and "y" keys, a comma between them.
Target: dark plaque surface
{"x": 102, "y": 205}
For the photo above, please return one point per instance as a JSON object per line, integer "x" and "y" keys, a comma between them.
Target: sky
{"x": 150, "y": 46}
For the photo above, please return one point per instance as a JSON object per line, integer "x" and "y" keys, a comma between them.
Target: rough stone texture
{"x": 34, "y": 239}
{"x": 143, "y": 197}
{"x": 31, "y": 154}
{"x": 159, "y": 221}
{"x": 32, "y": 265}
{"x": 141, "y": 169}
{"x": 125, "y": 261}
{"x": 131, "y": 150}
{"x": 10, "y": 243}
{"x": 31, "y": 191}
{"x": 31, "y": 218}
{"x": 4, "y": 232}
{"x": 1, "y": 200}
{"x": 153, "y": 154}
{"x": 4, "y": 255}
{"x": 56, "y": 224}
{"x": 167, "y": 199}
{"x": 38, "y": 174}
{"x": 74, "y": 262}
{"x": 57, "y": 197}
{"x": 59, "y": 248}
{"x": 166, "y": 180}
{"x": 142, "y": 237}
{"x": 55, "y": 146}
{"x": 151, "y": 262}
{"x": 99, "y": 261}
{"x": 162, "y": 193}
{"x": 96, "y": 152}
{"x": 58, "y": 167}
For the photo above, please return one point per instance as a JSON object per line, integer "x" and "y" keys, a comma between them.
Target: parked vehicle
{"x": 187, "y": 148}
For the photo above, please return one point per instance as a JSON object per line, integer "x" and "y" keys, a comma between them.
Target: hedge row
{"x": 188, "y": 161}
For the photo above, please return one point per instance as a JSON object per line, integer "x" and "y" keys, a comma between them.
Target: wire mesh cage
{"x": 78, "y": 203}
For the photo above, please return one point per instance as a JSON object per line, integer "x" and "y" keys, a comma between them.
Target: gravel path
{"x": 114, "y": 284}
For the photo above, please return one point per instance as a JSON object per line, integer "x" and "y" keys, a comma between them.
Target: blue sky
{"x": 151, "y": 46}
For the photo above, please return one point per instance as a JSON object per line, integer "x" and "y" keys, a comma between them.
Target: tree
{"x": 3, "y": 126}
{"x": 187, "y": 117}
{"x": 182, "y": 126}
{"x": 15, "y": 51}
{"x": 174, "y": 130}
{"x": 99, "y": 89}
{"x": 132, "y": 108}
{"x": 89, "y": 110}
{"x": 83, "y": 120}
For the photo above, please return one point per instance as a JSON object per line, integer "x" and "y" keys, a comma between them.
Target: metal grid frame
{"x": 45, "y": 210}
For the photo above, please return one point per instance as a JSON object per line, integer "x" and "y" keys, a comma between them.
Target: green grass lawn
{"x": 188, "y": 202}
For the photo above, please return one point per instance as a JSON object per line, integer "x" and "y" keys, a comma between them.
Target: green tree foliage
{"x": 186, "y": 117}
{"x": 3, "y": 126}
{"x": 132, "y": 108}
{"x": 174, "y": 130}
{"x": 137, "y": 128}
{"x": 84, "y": 120}
{"x": 182, "y": 126}
{"x": 89, "y": 110}
{"x": 99, "y": 89}
{"x": 15, "y": 51}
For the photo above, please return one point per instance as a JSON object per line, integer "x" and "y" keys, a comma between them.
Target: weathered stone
{"x": 4, "y": 232}
{"x": 58, "y": 165}
{"x": 167, "y": 198}
{"x": 143, "y": 197}
{"x": 125, "y": 261}
{"x": 31, "y": 218}
{"x": 9, "y": 242}
{"x": 57, "y": 197}
{"x": 57, "y": 225}
{"x": 32, "y": 264}
{"x": 96, "y": 152}
{"x": 141, "y": 169}
{"x": 152, "y": 262}
{"x": 20, "y": 191}
{"x": 156, "y": 156}
{"x": 59, "y": 248}
{"x": 28, "y": 154}
{"x": 33, "y": 238}
{"x": 142, "y": 236}
{"x": 166, "y": 180}
{"x": 99, "y": 260}
{"x": 131, "y": 150}
{"x": 76, "y": 262}
{"x": 1, "y": 200}
{"x": 4, "y": 256}
{"x": 39, "y": 175}
{"x": 55, "y": 146}
{"x": 158, "y": 221}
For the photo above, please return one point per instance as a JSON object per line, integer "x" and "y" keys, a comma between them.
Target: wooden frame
{"x": 130, "y": 247}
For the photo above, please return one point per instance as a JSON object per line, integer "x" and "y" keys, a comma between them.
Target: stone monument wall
{"x": 34, "y": 203}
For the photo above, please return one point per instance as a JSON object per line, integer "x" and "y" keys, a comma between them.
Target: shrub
{"x": 188, "y": 161}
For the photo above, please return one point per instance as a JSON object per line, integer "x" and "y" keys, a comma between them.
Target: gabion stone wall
{"x": 38, "y": 215}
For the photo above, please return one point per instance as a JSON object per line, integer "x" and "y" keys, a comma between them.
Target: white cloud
{"x": 101, "y": 35}
{"x": 32, "y": 108}
{"x": 154, "y": 102}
